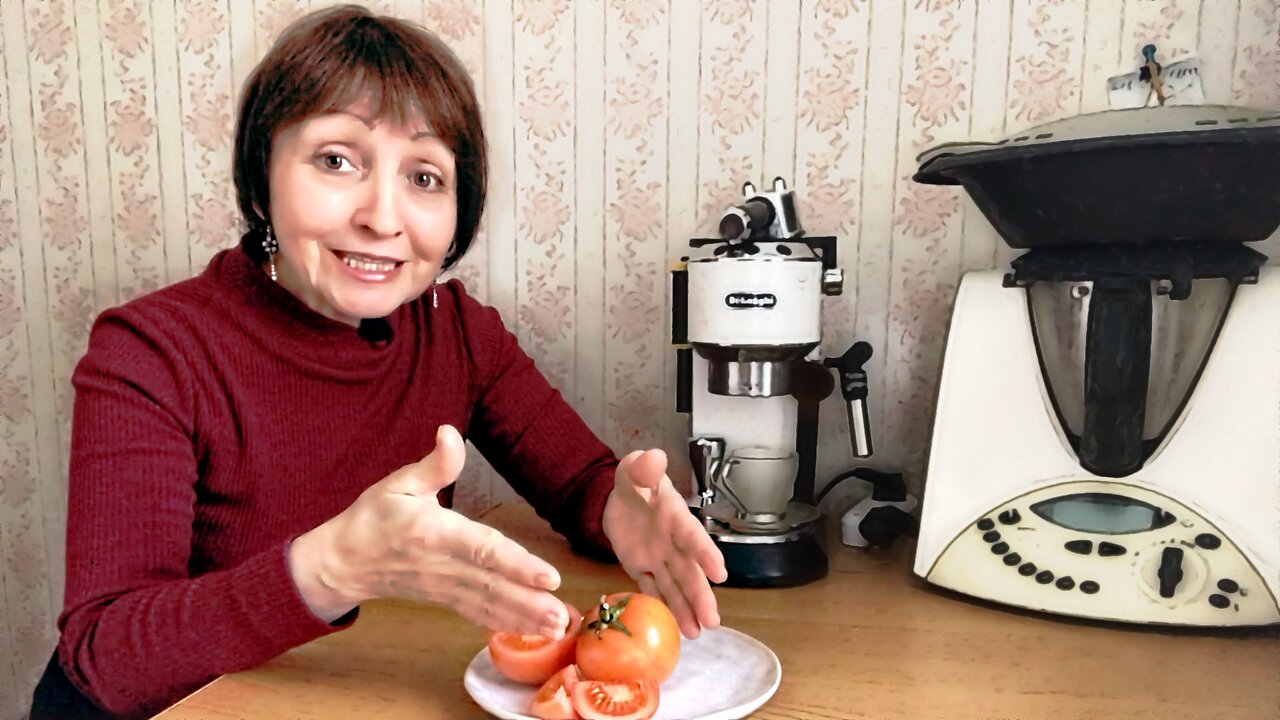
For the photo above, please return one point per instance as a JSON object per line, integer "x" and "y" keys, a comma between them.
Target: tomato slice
{"x": 531, "y": 659}
{"x": 552, "y": 701}
{"x": 629, "y": 700}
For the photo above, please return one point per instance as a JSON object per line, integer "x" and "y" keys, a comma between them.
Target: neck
{"x": 307, "y": 294}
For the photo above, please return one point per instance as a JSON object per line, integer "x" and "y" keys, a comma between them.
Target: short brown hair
{"x": 331, "y": 59}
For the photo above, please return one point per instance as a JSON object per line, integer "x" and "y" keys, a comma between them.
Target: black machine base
{"x": 780, "y": 564}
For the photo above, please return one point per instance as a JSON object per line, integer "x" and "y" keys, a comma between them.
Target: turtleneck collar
{"x": 290, "y": 322}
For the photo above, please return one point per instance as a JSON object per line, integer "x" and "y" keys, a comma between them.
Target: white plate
{"x": 722, "y": 675}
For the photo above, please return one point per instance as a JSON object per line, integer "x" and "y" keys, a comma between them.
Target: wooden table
{"x": 871, "y": 640}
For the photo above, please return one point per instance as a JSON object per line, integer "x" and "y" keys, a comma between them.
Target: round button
{"x": 1000, "y": 548}
{"x": 1010, "y": 517}
{"x": 1027, "y": 569}
{"x": 991, "y": 536}
{"x": 986, "y": 524}
{"x": 1065, "y": 583}
{"x": 1208, "y": 541}
{"x": 1221, "y": 602}
{"x": 1228, "y": 585}
{"x": 1089, "y": 587}
{"x": 1012, "y": 559}
{"x": 1044, "y": 577}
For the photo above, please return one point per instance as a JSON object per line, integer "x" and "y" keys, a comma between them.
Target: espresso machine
{"x": 746, "y": 324}
{"x": 1107, "y": 437}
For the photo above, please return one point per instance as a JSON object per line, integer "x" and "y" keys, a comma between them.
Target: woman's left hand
{"x": 660, "y": 544}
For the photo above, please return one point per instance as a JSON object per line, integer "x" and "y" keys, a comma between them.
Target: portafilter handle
{"x": 853, "y": 388}
{"x": 706, "y": 455}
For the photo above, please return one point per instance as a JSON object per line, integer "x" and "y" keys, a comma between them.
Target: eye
{"x": 334, "y": 162}
{"x": 424, "y": 180}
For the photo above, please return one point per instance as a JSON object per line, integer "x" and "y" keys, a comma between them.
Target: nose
{"x": 378, "y": 213}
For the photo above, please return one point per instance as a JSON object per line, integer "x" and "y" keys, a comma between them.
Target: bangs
{"x": 373, "y": 67}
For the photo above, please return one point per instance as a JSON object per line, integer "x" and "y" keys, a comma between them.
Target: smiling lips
{"x": 368, "y": 267}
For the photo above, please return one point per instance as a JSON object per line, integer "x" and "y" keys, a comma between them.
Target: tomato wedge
{"x": 531, "y": 659}
{"x": 552, "y": 701}
{"x": 629, "y": 700}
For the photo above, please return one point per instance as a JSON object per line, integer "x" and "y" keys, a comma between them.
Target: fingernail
{"x": 547, "y": 581}
{"x": 555, "y": 624}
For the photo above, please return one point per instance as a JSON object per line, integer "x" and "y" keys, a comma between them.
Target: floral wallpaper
{"x": 619, "y": 129}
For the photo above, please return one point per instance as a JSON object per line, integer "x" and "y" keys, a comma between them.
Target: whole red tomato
{"x": 628, "y": 636}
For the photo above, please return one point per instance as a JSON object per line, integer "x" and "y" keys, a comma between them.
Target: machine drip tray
{"x": 797, "y": 516}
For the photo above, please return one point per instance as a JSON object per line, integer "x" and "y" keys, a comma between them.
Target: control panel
{"x": 1107, "y": 551}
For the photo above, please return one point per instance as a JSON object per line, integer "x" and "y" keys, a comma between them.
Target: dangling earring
{"x": 271, "y": 247}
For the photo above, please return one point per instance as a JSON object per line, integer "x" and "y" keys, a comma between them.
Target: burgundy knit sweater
{"x": 219, "y": 418}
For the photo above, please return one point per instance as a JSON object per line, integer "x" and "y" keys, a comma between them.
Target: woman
{"x": 261, "y": 448}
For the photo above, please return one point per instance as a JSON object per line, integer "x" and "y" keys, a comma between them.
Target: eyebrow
{"x": 369, "y": 122}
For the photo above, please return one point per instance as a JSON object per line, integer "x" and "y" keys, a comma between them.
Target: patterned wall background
{"x": 620, "y": 128}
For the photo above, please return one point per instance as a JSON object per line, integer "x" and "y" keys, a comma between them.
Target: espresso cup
{"x": 760, "y": 480}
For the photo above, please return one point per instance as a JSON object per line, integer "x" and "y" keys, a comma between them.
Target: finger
{"x": 487, "y": 549}
{"x": 692, "y": 541}
{"x": 696, "y": 591}
{"x": 671, "y": 594}
{"x": 689, "y": 536}
{"x": 500, "y": 605}
{"x": 644, "y": 469}
{"x": 441, "y": 467}
{"x": 647, "y": 584}
{"x": 520, "y": 608}
{"x": 489, "y": 599}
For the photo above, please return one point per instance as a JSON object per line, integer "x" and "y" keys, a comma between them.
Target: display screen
{"x": 1102, "y": 513}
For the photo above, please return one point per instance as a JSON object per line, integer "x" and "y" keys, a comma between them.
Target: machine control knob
{"x": 1010, "y": 517}
{"x": 1170, "y": 572}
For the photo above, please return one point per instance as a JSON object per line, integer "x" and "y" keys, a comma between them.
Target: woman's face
{"x": 364, "y": 212}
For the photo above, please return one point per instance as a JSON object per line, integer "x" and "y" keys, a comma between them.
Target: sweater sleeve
{"x": 533, "y": 437}
{"x": 137, "y": 631}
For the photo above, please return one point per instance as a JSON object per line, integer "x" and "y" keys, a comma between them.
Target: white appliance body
{"x": 763, "y": 301}
{"x": 1009, "y": 515}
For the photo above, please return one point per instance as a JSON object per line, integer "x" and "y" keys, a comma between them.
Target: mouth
{"x": 368, "y": 263}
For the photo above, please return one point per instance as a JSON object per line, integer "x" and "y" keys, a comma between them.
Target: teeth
{"x": 369, "y": 265}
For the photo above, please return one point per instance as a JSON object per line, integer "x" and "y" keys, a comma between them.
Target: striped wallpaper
{"x": 619, "y": 129}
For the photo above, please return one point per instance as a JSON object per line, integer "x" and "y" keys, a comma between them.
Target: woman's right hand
{"x": 396, "y": 540}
